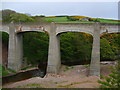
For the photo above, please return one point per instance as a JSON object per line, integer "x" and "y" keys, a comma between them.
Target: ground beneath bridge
{"x": 69, "y": 77}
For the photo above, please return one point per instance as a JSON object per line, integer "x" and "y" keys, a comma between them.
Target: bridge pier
{"x": 54, "y": 61}
{"x": 95, "y": 57}
{"x": 15, "y": 53}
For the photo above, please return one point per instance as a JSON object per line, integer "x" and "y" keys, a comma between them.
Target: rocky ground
{"x": 68, "y": 77}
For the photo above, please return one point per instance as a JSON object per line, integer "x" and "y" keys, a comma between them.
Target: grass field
{"x": 65, "y": 20}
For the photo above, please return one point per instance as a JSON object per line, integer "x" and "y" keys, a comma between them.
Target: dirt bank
{"x": 68, "y": 77}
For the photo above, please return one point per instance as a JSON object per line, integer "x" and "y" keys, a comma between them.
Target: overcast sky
{"x": 90, "y": 9}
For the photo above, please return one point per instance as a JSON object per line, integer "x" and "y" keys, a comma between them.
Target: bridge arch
{"x": 72, "y": 27}
{"x": 22, "y": 32}
{"x": 79, "y": 31}
{"x": 54, "y": 30}
{"x": 15, "y": 57}
{"x": 4, "y": 46}
{"x": 36, "y": 42}
{"x": 77, "y": 49}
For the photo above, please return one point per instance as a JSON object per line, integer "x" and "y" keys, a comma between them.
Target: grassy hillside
{"x": 64, "y": 19}
{"x": 109, "y": 21}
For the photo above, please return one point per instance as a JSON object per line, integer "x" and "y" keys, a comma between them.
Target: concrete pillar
{"x": 19, "y": 50}
{"x": 15, "y": 49}
{"x": 54, "y": 61}
{"x": 95, "y": 57}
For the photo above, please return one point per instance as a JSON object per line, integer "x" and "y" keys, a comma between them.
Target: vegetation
{"x": 80, "y": 18}
{"x": 68, "y": 68}
{"x": 71, "y": 85}
{"x": 113, "y": 80}
{"x": 6, "y": 15}
{"x": 77, "y": 50}
{"x": 5, "y": 71}
{"x": 18, "y": 18}
{"x": 4, "y": 38}
{"x": 10, "y": 15}
{"x": 36, "y": 48}
{"x": 110, "y": 46}
{"x": 30, "y": 86}
{"x": 75, "y": 46}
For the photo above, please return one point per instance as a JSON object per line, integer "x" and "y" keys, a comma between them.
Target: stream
{"x": 41, "y": 72}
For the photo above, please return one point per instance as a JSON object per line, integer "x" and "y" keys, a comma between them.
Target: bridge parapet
{"x": 22, "y": 29}
{"x": 64, "y": 27}
{"x": 4, "y": 28}
{"x": 110, "y": 28}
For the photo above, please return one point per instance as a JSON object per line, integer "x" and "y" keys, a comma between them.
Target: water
{"x": 36, "y": 72}
{"x": 22, "y": 76}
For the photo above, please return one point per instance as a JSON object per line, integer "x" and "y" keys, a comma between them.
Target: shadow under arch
{"x": 76, "y": 47}
{"x": 35, "y": 48}
{"x": 4, "y": 46}
{"x": 74, "y": 31}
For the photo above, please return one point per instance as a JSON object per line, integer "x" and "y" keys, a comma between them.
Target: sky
{"x": 108, "y": 10}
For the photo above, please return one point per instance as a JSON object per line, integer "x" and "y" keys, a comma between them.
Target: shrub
{"x": 113, "y": 80}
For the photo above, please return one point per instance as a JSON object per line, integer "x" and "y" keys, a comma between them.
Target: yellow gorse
{"x": 81, "y": 17}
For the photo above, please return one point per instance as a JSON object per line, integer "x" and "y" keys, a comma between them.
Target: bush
{"x": 106, "y": 49}
{"x": 21, "y": 18}
{"x": 113, "y": 80}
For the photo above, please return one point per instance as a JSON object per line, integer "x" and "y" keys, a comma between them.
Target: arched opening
{"x": 76, "y": 48}
{"x": 5, "y": 37}
{"x": 110, "y": 46}
{"x": 35, "y": 50}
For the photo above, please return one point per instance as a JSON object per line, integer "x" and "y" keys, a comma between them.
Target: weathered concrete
{"x": 95, "y": 57}
{"x": 54, "y": 61}
{"x": 54, "y": 29}
{"x": 15, "y": 49}
{"x": 65, "y": 27}
{"x": 73, "y": 27}
{"x": 19, "y": 50}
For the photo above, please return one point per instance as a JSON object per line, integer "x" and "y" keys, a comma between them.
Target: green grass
{"x": 108, "y": 21}
{"x": 65, "y": 20}
{"x": 30, "y": 86}
{"x": 72, "y": 84}
{"x": 56, "y": 19}
{"x": 76, "y": 22}
{"x": 5, "y": 71}
{"x": 86, "y": 65}
{"x": 68, "y": 68}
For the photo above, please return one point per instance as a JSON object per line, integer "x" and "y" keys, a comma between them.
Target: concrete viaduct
{"x": 15, "y": 50}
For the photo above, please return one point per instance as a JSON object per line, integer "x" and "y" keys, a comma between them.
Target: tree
{"x": 106, "y": 49}
{"x": 97, "y": 20}
{"x": 113, "y": 44}
{"x": 35, "y": 48}
{"x": 39, "y": 18}
{"x": 70, "y": 18}
{"x": 21, "y": 18}
{"x": 5, "y": 37}
{"x": 75, "y": 46}
{"x": 6, "y": 15}
{"x": 113, "y": 80}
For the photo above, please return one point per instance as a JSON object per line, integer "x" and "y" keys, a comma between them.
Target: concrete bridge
{"x": 15, "y": 52}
